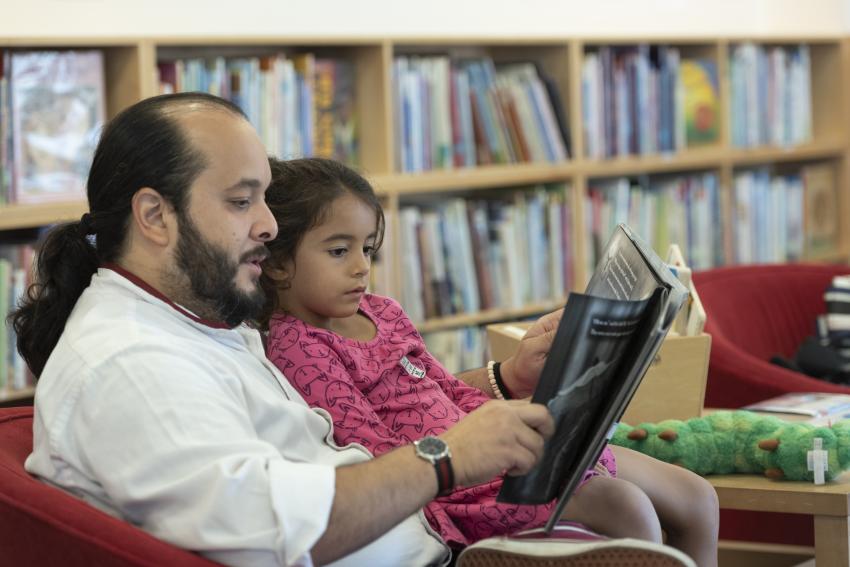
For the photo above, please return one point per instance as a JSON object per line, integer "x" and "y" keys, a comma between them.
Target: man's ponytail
{"x": 64, "y": 266}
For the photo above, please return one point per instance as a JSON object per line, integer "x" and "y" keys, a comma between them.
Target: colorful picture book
{"x": 701, "y": 101}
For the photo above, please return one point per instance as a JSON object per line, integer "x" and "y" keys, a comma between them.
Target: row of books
{"x": 301, "y": 105}
{"x": 771, "y": 95}
{"x": 459, "y": 349}
{"x": 15, "y": 269}
{"x": 673, "y": 209}
{"x": 461, "y": 113}
{"x": 467, "y": 255}
{"x": 781, "y": 218}
{"x": 643, "y": 99}
{"x": 52, "y": 107}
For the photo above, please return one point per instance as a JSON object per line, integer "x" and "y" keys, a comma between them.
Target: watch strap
{"x": 445, "y": 475}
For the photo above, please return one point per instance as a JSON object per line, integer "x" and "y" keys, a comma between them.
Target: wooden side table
{"x": 829, "y": 504}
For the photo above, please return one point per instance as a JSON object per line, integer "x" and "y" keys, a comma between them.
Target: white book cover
{"x": 467, "y": 131}
{"x": 460, "y": 263}
{"x": 591, "y": 118}
{"x": 743, "y": 217}
{"x": 538, "y": 244}
{"x": 441, "y": 138}
{"x": 796, "y": 234}
{"x": 19, "y": 371}
{"x": 412, "y": 97}
{"x": 511, "y": 275}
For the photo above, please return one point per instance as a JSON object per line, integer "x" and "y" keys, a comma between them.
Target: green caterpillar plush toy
{"x": 741, "y": 442}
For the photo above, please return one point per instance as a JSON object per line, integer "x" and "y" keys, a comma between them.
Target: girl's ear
{"x": 278, "y": 274}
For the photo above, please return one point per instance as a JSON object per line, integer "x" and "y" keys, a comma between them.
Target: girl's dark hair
{"x": 300, "y": 195}
{"x": 143, "y": 146}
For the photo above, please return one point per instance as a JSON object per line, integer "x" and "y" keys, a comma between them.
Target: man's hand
{"x": 521, "y": 372}
{"x": 498, "y": 436}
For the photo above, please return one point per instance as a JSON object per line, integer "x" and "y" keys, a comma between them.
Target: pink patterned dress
{"x": 389, "y": 391}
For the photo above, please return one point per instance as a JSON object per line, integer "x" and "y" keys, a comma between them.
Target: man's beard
{"x": 212, "y": 278}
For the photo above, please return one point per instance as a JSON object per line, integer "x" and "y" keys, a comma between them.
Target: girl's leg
{"x": 685, "y": 502}
{"x": 615, "y": 508}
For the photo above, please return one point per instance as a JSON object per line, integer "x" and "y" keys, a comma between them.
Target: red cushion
{"x": 42, "y": 525}
{"x": 755, "y": 312}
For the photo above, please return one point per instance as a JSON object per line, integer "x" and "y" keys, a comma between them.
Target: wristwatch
{"x": 435, "y": 451}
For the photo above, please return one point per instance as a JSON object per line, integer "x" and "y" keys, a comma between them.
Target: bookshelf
{"x": 131, "y": 74}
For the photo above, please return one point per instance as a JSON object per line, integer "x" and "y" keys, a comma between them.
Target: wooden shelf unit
{"x": 130, "y": 76}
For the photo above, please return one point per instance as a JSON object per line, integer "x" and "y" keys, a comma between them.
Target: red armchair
{"x": 755, "y": 312}
{"x": 41, "y": 525}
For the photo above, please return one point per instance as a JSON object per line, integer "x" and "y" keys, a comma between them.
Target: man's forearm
{"x": 371, "y": 498}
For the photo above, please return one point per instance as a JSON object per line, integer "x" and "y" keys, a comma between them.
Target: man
{"x": 156, "y": 405}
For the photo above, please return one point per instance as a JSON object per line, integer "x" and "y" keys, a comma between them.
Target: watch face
{"x": 432, "y": 446}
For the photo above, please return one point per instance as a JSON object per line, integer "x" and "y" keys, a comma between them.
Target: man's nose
{"x": 265, "y": 226}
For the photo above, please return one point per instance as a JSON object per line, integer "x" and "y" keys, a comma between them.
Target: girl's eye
{"x": 337, "y": 252}
{"x": 241, "y": 203}
{"x": 369, "y": 251}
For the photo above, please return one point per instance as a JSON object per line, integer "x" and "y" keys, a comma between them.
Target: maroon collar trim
{"x": 156, "y": 293}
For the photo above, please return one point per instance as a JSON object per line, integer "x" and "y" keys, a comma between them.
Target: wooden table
{"x": 829, "y": 504}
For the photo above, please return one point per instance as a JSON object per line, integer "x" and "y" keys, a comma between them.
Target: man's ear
{"x": 153, "y": 216}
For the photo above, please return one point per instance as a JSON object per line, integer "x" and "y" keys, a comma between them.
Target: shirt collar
{"x": 139, "y": 282}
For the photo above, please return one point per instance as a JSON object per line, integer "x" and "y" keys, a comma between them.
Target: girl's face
{"x": 331, "y": 268}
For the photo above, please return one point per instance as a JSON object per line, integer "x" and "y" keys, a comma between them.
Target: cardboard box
{"x": 673, "y": 387}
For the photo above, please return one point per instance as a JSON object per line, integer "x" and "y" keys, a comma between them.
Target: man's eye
{"x": 337, "y": 252}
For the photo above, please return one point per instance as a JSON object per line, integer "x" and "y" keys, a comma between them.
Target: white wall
{"x": 677, "y": 18}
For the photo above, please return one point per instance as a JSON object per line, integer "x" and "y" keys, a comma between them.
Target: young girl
{"x": 358, "y": 356}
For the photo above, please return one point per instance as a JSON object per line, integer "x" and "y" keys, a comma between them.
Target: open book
{"x": 606, "y": 340}
{"x": 814, "y": 407}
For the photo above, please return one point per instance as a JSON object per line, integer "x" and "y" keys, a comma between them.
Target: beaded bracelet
{"x": 497, "y": 377}
{"x": 491, "y": 375}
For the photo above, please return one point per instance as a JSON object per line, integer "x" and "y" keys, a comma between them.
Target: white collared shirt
{"x": 189, "y": 432}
